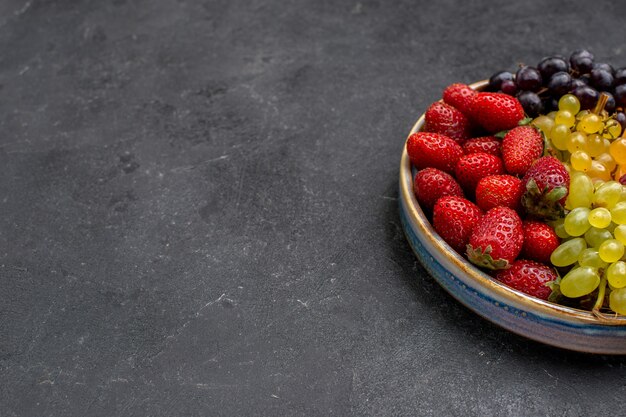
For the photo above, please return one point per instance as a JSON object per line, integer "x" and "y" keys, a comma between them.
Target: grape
{"x": 549, "y": 104}
{"x": 580, "y": 281}
{"x": 580, "y": 160}
{"x": 610, "y": 103}
{"x": 508, "y": 87}
{"x": 594, "y": 236}
{"x": 618, "y": 213}
{"x": 559, "y": 84}
{"x": 551, "y": 65}
{"x": 530, "y": 102}
{"x": 620, "y": 95}
{"x": 559, "y": 228}
{"x": 495, "y": 82}
{"x": 612, "y": 129}
{"x": 595, "y": 145}
{"x": 545, "y": 124}
{"x": 607, "y": 160}
{"x": 600, "y": 217}
{"x": 618, "y": 150}
{"x": 588, "y": 97}
{"x": 577, "y": 141}
{"x": 604, "y": 66}
{"x": 590, "y": 123}
{"x": 564, "y": 117}
{"x": 528, "y": 78}
{"x": 581, "y": 61}
{"x": 581, "y": 191}
{"x": 608, "y": 194}
{"x": 620, "y": 233}
{"x": 591, "y": 257}
{"x": 601, "y": 79}
{"x": 578, "y": 82}
{"x": 559, "y": 136}
{"x": 616, "y": 274}
{"x": 611, "y": 250}
{"x": 598, "y": 171}
{"x": 617, "y": 300}
{"x": 567, "y": 253}
{"x": 620, "y": 76}
{"x": 570, "y": 103}
{"x": 577, "y": 221}
{"x": 620, "y": 116}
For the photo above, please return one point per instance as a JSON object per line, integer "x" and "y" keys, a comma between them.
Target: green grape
{"x": 617, "y": 301}
{"x": 580, "y": 191}
{"x": 595, "y": 145}
{"x": 618, "y": 212}
{"x": 616, "y": 274}
{"x": 608, "y": 194}
{"x": 568, "y": 252}
{"x": 544, "y": 123}
{"x": 594, "y": 236}
{"x": 577, "y": 141}
{"x": 559, "y": 228}
{"x": 552, "y": 114}
{"x": 580, "y": 160}
{"x": 611, "y": 250}
{"x": 570, "y": 103}
{"x": 600, "y": 217}
{"x": 577, "y": 221}
{"x": 580, "y": 281}
{"x": 591, "y": 257}
{"x": 565, "y": 117}
{"x": 559, "y": 136}
{"x": 590, "y": 123}
{"x": 620, "y": 233}
{"x": 612, "y": 129}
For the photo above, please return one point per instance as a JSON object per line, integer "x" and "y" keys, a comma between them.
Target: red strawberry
{"x": 473, "y": 167}
{"x": 521, "y": 146}
{"x": 540, "y": 240}
{"x": 453, "y": 218}
{"x": 499, "y": 190}
{"x": 497, "y": 239}
{"x": 487, "y": 144}
{"x": 445, "y": 119}
{"x": 496, "y": 111}
{"x": 529, "y": 277}
{"x": 433, "y": 150}
{"x": 460, "y": 96}
{"x": 430, "y": 184}
{"x": 546, "y": 185}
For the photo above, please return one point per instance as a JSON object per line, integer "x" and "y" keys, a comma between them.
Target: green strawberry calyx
{"x": 543, "y": 204}
{"x": 483, "y": 258}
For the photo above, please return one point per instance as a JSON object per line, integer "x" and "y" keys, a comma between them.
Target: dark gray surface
{"x": 198, "y": 210}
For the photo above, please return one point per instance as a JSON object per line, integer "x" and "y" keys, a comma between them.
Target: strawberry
{"x": 453, "y": 218}
{"x": 497, "y": 239}
{"x": 496, "y": 111}
{"x": 487, "y": 144}
{"x": 473, "y": 167}
{"x": 499, "y": 190}
{"x": 445, "y": 119}
{"x": 433, "y": 150}
{"x": 546, "y": 185}
{"x": 430, "y": 184}
{"x": 540, "y": 240}
{"x": 529, "y": 277}
{"x": 460, "y": 96}
{"x": 521, "y": 146}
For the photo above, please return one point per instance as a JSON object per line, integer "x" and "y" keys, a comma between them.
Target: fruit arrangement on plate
{"x": 526, "y": 179}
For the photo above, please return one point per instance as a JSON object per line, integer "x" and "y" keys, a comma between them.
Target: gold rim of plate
{"x": 417, "y": 217}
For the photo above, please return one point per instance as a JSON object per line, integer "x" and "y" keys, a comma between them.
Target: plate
{"x": 536, "y": 319}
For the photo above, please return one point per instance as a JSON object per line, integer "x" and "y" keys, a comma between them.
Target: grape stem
{"x": 601, "y": 103}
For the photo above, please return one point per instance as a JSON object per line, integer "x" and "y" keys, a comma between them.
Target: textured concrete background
{"x": 198, "y": 210}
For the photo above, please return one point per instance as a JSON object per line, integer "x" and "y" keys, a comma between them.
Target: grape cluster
{"x": 539, "y": 88}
